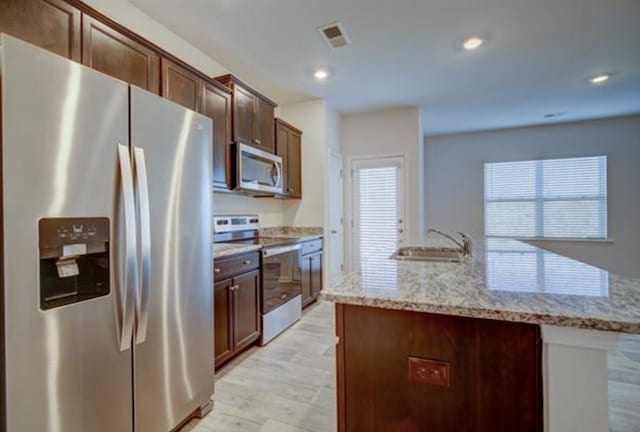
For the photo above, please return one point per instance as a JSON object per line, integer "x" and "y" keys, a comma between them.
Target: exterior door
{"x": 62, "y": 123}
{"x": 173, "y": 368}
{"x": 378, "y": 209}
{"x": 336, "y": 231}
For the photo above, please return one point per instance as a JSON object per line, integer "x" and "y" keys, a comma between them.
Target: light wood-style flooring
{"x": 289, "y": 385}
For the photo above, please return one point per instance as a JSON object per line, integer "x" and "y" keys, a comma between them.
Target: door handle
{"x": 127, "y": 285}
{"x": 142, "y": 200}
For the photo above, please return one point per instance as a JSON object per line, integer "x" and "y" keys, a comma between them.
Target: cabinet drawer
{"x": 229, "y": 267}
{"x": 311, "y": 246}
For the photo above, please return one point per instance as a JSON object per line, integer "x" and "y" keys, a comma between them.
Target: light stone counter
{"x": 506, "y": 280}
{"x": 227, "y": 249}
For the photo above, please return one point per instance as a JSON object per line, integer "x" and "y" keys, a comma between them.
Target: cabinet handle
{"x": 290, "y": 189}
{"x": 216, "y": 270}
{"x": 234, "y": 287}
{"x": 247, "y": 262}
{"x": 258, "y": 141}
{"x": 283, "y": 296}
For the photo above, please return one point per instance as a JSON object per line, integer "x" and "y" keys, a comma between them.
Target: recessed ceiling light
{"x": 321, "y": 74}
{"x": 599, "y": 79}
{"x": 472, "y": 43}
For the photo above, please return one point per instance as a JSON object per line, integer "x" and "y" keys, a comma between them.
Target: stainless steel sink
{"x": 426, "y": 254}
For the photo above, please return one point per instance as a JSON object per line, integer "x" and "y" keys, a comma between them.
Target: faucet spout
{"x": 466, "y": 245}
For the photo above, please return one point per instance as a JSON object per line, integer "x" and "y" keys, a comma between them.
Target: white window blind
{"x": 554, "y": 198}
{"x": 377, "y": 212}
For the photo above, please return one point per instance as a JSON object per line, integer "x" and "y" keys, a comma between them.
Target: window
{"x": 378, "y": 210}
{"x": 553, "y": 198}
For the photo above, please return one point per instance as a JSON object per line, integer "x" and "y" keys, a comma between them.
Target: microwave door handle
{"x": 127, "y": 285}
{"x": 142, "y": 198}
{"x": 278, "y": 174}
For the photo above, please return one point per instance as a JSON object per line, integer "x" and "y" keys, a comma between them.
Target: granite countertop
{"x": 227, "y": 249}
{"x": 272, "y": 236}
{"x": 505, "y": 280}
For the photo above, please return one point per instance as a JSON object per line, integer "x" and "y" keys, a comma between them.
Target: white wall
{"x": 391, "y": 132}
{"x": 454, "y": 180}
{"x": 310, "y": 117}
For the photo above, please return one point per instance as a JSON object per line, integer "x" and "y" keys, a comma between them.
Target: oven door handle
{"x": 279, "y": 250}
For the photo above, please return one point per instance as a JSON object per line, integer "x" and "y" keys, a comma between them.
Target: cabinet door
{"x": 294, "y": 162}
{"x": 306, "y": 276}
{"x": 316, "y": 274}
{"x": 223, "y": 321}
{"x": 50, "y": 24}
{"x": 243, "y": 116}
{"x": 216, "y": 104}
{"x": 180, "y": 85}
{"x": 282, "y": 150}
{"x": 115, "y": 54}
{"x": 264, "y": 135}
{"x": 246, "y": 319}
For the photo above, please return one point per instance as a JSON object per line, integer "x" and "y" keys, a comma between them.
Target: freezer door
{"x": 61, "y": 125}
{"x": 174, "y": 353}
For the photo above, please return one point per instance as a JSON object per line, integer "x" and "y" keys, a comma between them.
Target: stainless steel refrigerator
{"x": 106, "y": 275}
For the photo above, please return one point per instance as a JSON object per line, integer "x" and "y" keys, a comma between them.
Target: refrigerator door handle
{"x": 142, "y": 199}
{"x": 129, "y": 290}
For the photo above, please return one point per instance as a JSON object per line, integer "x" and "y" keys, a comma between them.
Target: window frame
{"x": 539, "y": 201}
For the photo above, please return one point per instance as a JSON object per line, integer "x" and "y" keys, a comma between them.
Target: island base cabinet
{"x": 411, "y": 372}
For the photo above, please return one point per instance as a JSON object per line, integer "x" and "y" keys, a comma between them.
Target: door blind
{"x": 378, "y": 212}
{"x": 553, "y": 198}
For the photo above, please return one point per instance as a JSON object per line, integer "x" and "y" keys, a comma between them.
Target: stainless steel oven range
{"x": 281, "y": 299}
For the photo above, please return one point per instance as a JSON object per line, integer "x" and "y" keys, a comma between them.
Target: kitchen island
{"x": 515, "y": 338}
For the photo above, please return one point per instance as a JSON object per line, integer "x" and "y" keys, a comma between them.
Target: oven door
{"x": 281, "y": 279}
{"x": 258, "y": 170}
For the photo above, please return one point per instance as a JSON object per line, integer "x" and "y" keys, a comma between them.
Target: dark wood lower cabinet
{"x": 409, "y": 371}
{"x": 236, "y": 305}
{"x": 223, "y": 321}
{"x": 311, "y": 275}
{"x": 246, "y": 315}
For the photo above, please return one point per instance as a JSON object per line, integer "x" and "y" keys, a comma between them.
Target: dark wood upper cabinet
{"x": 118, "y": 55}
{"x": 288, "y": 147}
{"x": 265, "y": 114}
{"x": 216, "y": 104}
{"x": 243, "y": 116}
{"x": 51, "y": 24}
{"x": 253, "y": 115}
{"x": 180, "y": 85}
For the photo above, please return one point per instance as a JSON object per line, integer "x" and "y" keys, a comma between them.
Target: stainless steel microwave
{"x": 258, "y": 171}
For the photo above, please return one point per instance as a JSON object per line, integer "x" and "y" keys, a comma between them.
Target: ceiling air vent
{"x": 335, "y": 35}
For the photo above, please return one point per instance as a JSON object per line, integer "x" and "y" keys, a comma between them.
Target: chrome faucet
{"x": 466, "y": 245}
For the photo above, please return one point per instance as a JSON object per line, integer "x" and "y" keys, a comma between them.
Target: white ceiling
{"x": 537, "y": 59}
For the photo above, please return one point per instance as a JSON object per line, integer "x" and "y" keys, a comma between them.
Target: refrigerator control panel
{"x": 74, "y": 260}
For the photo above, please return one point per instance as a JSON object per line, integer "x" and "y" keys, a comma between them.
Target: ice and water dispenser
{"x": 74, "y": 260}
